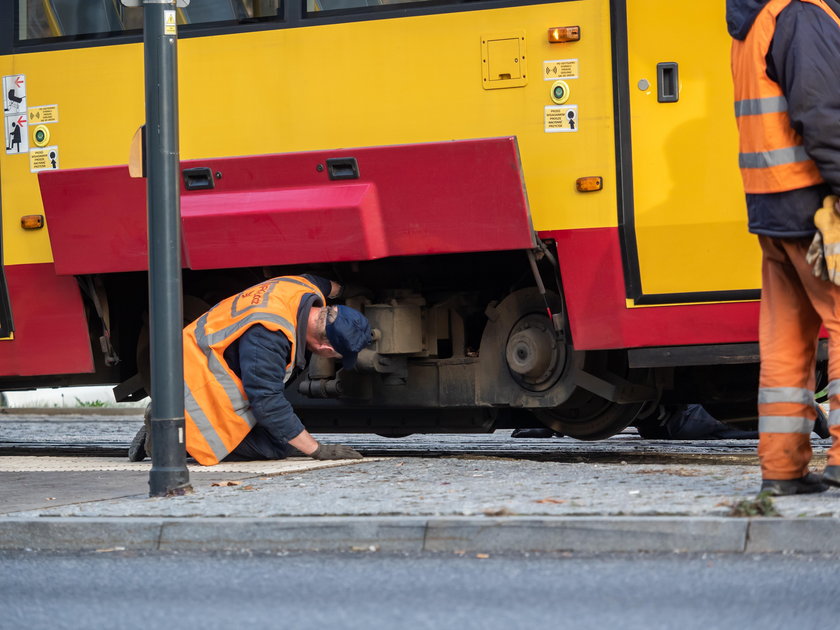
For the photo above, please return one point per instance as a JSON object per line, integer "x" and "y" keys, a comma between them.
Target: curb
{"x": 419, "y": 534}
{"x": 71, "y": 411}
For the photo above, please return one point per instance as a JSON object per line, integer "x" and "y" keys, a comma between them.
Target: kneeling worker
{"x": 238, "y": 357}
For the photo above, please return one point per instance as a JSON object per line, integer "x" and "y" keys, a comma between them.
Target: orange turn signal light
{"x": 562, "y": 34}
{"x": 32, "y": 221}
{"x": 589, "y": 184}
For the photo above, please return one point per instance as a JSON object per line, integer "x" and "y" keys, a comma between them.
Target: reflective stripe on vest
{"x": 772, "y": 158}
{"x": 755, "y": 106}
{"x": 218, "y": 413}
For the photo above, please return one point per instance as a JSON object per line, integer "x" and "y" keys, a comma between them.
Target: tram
{"x": 537, "y": 204}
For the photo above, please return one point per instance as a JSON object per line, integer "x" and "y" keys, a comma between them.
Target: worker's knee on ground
{"x": 784, "y": 455}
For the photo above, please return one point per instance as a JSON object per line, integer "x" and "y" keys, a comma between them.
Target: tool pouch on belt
{"x": 824, "y": 252}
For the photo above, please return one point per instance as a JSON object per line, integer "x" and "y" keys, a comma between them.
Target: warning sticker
{"x": 45, "y": 159}
{"x": 561, "y": 118}
{"x": 14, "y": 94}
{"x": 43, "y": 114}
{"x": 17, "y": 139}
{"x": 560, "y": 69}
{"x": 169, "y": 27}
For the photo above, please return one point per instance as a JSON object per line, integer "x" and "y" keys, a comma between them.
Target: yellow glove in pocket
{"x": 824, "y": 252}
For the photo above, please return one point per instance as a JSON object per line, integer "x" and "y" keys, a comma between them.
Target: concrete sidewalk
{"x": 412, "y": 504}
{"x": 477, "y": 493}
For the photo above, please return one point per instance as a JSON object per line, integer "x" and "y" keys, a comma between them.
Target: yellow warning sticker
{"x": 561, "y": 118}
{"x": 560, "y": 69}
{"x": 169, "y": 27}
{"x": 45, "y": 159}
{"x": 43, "y": 114}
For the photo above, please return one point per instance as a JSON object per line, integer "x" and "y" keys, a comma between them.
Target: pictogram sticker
{"x": 16, "y": 136}
{"x": 169, "y": 23}
{"x": 14, "y": 94}
{"x": 43, "y": 114}
{"x": 560, "y": 69}
{"x": 561, "y": 118}
{"x": 45, "y": 159}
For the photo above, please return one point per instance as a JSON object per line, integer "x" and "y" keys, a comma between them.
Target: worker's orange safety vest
{"x": 217, "y": 413}
{"x": 772, "y": 157}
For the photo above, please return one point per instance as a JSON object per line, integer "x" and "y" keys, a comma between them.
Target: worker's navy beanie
{"x": 348, "y": 334}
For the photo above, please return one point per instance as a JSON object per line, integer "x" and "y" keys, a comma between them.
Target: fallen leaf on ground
{"x": 248, "y": 488}
{"x": 502, "y": 511}
{"x": 483, "y": 556}
{"x": 226, "y": 483}
{"x": 550, "y": 500}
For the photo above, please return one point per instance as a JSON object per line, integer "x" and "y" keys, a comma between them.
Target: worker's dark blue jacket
{"x": 804, "y": 60}
{"x": 259, "y": 358}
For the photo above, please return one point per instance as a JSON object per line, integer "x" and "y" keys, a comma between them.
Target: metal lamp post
{"x": 169, "y": 474}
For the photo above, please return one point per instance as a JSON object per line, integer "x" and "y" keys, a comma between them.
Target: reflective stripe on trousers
{"x": 833, "y": 391}
{"x": 780, "y": 423}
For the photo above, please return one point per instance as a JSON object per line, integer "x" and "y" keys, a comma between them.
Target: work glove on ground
{"x": 824, "y": 253}
{"x": 335, "y": 451}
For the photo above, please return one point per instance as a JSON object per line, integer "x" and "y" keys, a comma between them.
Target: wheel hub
{"x": 533, "y": 355}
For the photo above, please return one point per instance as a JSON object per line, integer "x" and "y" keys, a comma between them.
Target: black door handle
{"x": 668, "y": 82}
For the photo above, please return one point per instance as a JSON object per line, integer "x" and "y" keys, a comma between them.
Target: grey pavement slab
{"x": 32, "y": 483}
{"x": 32, "y": 490}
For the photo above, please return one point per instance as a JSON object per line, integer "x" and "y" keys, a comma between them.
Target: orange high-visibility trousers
{"x": 793, "y": 306}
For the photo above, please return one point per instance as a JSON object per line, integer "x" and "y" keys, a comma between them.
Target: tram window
{"x": 46, "y": 19}
{"x": 314, "y": 6}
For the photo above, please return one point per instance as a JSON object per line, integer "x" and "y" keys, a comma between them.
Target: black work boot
{"x": 141, "y": 445}
{"x": 821, "y": 423}
{"x": 809, "y": 484}
{"x": 137, "y": 448}
{"x": 831, "y": 476}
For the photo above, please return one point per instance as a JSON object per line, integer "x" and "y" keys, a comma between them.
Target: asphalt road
{"x": 372, "y": 591}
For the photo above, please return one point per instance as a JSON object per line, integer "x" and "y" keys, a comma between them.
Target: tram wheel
{"x": 526, "y": 364}
{"x": 587, "y": 416}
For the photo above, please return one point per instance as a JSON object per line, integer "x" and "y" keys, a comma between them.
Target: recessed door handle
{"x": 668, "y": 82}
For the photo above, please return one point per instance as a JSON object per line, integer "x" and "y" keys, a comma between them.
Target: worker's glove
{"x": 335, "y": 451}
{"x": 824, "y": 253}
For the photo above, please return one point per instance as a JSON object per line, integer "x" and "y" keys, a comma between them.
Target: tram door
{"x": 689, "y": 213}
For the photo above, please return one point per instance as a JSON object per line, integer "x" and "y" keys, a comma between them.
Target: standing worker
{"x": 786, "y": 70}
{"x": 237, "y": 359}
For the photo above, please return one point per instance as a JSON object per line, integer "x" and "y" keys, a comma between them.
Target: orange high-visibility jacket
{"x": 217, "y": 412}
{"x": 772, "y": 157}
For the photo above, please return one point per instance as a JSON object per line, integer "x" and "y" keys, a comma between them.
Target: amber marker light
{"x": 589, "y": 184}
{"x": 562, "y": 34}
{"x": 32, "y": 221}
